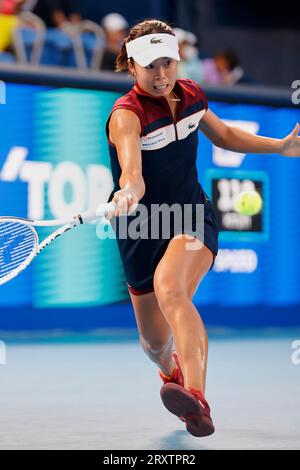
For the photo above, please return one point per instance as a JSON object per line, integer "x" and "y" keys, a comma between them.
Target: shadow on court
{"x": 177, "y": 441}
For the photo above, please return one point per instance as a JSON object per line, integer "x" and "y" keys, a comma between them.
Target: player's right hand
{"x": 126, "y": 201}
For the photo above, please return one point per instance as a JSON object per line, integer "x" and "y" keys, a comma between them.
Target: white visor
{"x": 150, "y": 47}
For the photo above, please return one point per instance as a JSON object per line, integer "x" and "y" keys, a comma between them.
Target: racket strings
{"x": 17, "y": 242}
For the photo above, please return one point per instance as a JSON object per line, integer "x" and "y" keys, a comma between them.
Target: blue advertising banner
{"x": 258, "y": 261}
{"x": 54, "y": 162}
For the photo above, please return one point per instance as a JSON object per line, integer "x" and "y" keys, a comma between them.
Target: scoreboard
{"x": 225, "y": 186}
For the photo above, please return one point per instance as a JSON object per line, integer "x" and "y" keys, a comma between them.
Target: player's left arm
{"x": 237, "y": 140}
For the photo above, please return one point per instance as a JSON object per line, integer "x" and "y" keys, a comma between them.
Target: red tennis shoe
{"x": 177, "y": 375}
{"x": 175, "y": 378}
{"x": 190, "y": 406}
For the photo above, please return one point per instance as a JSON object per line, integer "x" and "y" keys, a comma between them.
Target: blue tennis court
{"x": 99, "y": 391}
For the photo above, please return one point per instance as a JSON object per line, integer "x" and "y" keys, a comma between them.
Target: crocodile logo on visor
{"x": 155, "y": 41}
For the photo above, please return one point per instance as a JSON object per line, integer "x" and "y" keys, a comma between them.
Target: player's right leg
{"x": 156, "y": 337}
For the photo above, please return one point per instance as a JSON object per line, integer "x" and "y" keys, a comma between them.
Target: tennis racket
{"x": 19, "y": 241}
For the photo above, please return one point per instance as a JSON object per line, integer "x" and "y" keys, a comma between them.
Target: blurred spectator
{"x": 228, "y": 66}
{"x": 55, "y": 13}
{"x": 115, "y": 27}
{"x": 211, "y": 75}
{"x": 8, "y": 21}
{"x": 10, "y": 7}
{"x": 190, "y": 65}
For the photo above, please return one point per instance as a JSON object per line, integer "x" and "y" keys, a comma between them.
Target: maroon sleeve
{"x": 123, "y": 103}
{"x": 132, "y": 108}
{"x": 200, "y": 93}
{"x": 204, "y": 97}
{"x": 195, "y": 91}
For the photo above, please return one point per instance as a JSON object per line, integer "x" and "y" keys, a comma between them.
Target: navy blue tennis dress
{"x": 169, "y": 152}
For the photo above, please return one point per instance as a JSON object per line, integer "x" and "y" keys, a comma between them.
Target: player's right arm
{"x": 124, "y": 132}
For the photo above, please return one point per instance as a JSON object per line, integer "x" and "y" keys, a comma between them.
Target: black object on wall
{"x": 133, "y": 11}
{"x": 266, "y": 36}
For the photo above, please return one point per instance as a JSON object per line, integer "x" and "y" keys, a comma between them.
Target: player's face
{"x": 157, "y": 78}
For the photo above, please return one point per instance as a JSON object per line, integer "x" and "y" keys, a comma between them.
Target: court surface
{"x": 101, "y": 392}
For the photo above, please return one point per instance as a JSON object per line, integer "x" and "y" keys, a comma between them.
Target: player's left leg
{"x": 176, "y": 278}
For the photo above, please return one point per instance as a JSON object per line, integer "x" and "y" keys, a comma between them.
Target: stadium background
{"x": 265, "y": 34}
{"x": 73, "y": 373}
{"x": 57, "y": 126}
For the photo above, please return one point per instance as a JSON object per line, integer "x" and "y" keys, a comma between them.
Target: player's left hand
{"x": 291, "y": 143}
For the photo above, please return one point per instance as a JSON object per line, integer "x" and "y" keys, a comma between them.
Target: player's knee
{"x": 168, "y": 293}
{"x": 155, "y": 346}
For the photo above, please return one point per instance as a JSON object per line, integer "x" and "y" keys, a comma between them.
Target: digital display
{"x": 225, "y": 187}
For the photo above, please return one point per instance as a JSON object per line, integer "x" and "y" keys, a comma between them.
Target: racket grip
{"x": 104, "y": 209}
{"x": 101, "y": 211}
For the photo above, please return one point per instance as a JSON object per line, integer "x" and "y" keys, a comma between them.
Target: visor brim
{"x": 145, "y": 57}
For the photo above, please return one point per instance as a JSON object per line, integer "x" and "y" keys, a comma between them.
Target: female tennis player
{"x": 153, "y": 134}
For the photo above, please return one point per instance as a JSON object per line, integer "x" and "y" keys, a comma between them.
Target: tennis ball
{"x": 248, "y": 203}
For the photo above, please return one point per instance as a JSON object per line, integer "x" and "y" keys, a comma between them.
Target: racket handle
{"x": 104, "y": 209}
{"x": 101, "y": 211}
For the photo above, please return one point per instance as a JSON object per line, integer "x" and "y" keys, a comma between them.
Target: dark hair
{"x": 147, "y": 26}
{"x": 231, "y": 57}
